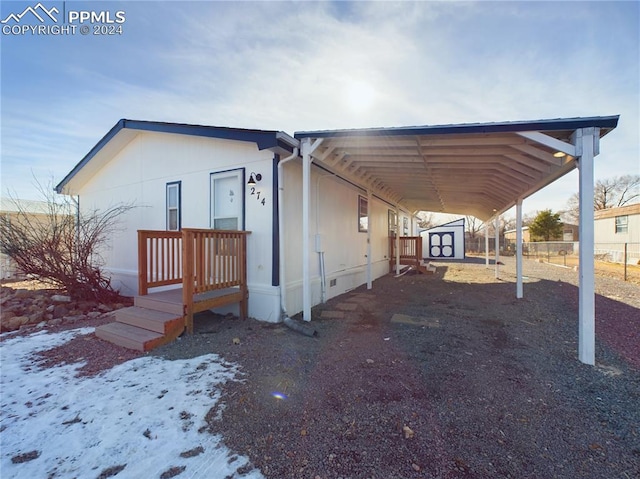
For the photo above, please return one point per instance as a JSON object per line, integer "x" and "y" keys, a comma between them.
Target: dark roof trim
{"x": 606, "y": 123}
{"x": 262, "y": 138}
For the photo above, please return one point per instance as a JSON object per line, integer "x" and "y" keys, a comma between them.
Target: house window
{"x": 393, "y": 222}
{"x": 227, "y": 200}
{"x": 173, "y": 206}
{"x": 622, "y": 224}
{"x": 363, "y": 214}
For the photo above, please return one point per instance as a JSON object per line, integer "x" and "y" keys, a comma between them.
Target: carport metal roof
{"x": 479, "y": 169}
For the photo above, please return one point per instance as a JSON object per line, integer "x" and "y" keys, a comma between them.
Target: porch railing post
{"x": 142, "y": 263}
{"x": 187, "y": 278}
{"x": 244, "y": 304}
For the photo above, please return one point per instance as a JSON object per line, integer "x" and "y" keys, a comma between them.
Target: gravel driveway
{"x": 440, "y": 376}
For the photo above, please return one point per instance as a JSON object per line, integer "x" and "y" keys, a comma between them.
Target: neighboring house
{"x": 187, "y": 176}
{"x": 569, "y": 233}
{"x": 10, "y": 209}
{"x": 510, "y": 235}
{"x": 613, "y": 228}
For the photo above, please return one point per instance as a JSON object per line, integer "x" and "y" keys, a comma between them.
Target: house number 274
{"x": 258, "y": 194}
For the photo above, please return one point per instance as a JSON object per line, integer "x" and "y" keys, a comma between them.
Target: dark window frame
{"x": 363, "y": 204}
{"x": 178, "y": 207}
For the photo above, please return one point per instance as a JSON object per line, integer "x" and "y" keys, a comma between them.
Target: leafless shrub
{"x": 61, "y": 245}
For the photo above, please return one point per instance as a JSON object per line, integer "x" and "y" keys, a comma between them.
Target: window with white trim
{"x": 622, "y": 224}
{"x": 173, "y": 206}
{"x": 227, "y": 200}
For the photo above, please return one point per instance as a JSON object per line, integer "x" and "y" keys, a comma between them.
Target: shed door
{"x": 227, "y": 200}
{"x": 441, "y": 245}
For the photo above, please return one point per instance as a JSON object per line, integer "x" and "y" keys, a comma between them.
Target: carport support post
{"x": 486, "y": 244}
{"x": 586, "y": 143}
{"x": 519, "y": 292}
{"x": 496, "y": 227}
{"x": 397, "y": 240}
{"x": 307, "y": 150}
{"x": 369, "y": 200}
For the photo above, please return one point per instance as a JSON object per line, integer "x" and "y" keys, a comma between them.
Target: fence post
{"x": 548, "y": 255}
{"x": 625, "y": 261}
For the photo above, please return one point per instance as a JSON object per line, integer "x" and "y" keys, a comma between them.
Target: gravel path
{"x": 441, "y": 376}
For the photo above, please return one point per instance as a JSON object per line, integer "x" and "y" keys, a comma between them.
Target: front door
{"x": 227, "y": 200}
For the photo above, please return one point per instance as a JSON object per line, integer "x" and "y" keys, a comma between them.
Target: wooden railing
{"x": 410, "y": 250}
{"x": 201, "y": 260}
{"x": 159, "y": 259}
{"x": 215, "y": 259}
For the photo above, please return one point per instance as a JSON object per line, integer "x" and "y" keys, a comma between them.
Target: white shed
{"x": 445, "y": 241}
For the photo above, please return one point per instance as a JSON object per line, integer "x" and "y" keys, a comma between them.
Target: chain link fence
{"x": 619, "y": 260}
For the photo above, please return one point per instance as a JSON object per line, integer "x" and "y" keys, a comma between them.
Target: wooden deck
{"x": 410, "y": 248}
{"x": 207, "y": 266}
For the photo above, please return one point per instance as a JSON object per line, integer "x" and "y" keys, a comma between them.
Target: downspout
{"x": 283, "y": 283}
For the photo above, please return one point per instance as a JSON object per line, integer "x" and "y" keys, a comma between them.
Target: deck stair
{"x": 144, "y": 327}
{"x": 426, "y": 267}
{"x": 197, "y": 269}
{"x": 410, "y": 254}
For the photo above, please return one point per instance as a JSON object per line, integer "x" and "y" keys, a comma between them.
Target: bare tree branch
{"x": 62, "y": 246}
{"x": 608, "y": 193}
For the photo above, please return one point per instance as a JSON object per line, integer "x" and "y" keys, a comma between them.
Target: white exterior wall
{"x": 334, "y": 215}
{"x": 605, "y": 230}
{"x": 139, "y": 174}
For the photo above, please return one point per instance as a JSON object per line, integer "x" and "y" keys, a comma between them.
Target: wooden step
{"x": 168, "y": 302}
{"x": 427, "y": 268}
{"x": 130, "y": 337}
{"x": 158, "y": 321}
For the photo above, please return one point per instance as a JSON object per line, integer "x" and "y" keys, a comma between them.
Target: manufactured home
{"x": 272, "y": 224}
{"x": 196, "y": 177}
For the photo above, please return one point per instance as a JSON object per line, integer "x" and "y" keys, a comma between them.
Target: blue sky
{"x": 289, "y": 66}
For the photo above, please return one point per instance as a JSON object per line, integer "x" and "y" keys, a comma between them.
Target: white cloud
{"x": 276, "y": 65}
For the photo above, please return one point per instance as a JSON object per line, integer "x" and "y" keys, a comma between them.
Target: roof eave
{"x": 605, "y": 123}
{"x": 277, "y": 141}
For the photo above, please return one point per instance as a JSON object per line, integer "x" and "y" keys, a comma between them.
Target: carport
{"x": 480, "y": 169}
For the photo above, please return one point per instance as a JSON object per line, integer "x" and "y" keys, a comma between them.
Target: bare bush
{"x": 61, "y": 245}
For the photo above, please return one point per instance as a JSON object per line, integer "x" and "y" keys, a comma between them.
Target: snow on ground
{"x": 142, "y": 414}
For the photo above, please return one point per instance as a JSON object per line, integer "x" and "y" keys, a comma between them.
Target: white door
{"x": 227, "y": 200}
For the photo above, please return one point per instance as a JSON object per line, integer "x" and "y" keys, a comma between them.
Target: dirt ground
{"x": 440, "y": 376}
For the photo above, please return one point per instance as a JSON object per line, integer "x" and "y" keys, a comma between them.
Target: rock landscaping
{"x": 28, "y": 304}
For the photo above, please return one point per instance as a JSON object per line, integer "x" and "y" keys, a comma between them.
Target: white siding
{"x": 605, "y": 230}
{"x": 140, "y": 171}
{"x": 139, "y": 174}
{"x": 334, "y": 216}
